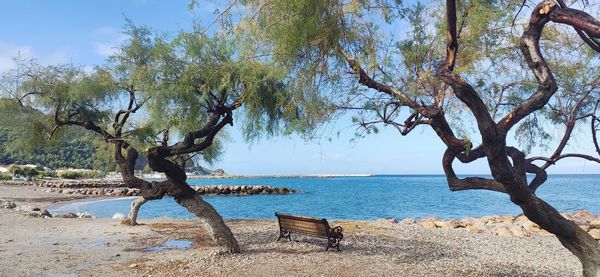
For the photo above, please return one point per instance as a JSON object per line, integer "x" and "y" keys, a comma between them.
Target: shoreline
{"x": 38, "y": 245}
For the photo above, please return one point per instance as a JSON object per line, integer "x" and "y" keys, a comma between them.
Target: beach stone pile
{"x": 118, "y": 188}
{"x": 24, "y": 209}
{"x": 241, "y": 190}
{"x": 505, "y": 226}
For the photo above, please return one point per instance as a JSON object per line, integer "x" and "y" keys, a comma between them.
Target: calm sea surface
{"x": 382, "y": 196}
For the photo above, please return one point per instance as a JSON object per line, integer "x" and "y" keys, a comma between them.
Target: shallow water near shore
{"x": 362, "y": 198}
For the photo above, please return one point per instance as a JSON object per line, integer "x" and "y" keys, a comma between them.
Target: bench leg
{"x": 335, "y": 236}
{"x": 285, "y": 234}
{"x": 333, "y": 242}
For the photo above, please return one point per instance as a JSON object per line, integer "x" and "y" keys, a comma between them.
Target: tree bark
{"x": 212, "y": 222}
{"x": 133, "y": 212}
{"x": 187, "y": 197}
{"x": 576, "y": 240}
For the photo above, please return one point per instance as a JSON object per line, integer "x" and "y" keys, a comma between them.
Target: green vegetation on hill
{"x": 75, "y": 150}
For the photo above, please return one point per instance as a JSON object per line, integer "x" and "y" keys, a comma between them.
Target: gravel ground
{"x": 103, "y": 247}
{"x": 369, "y": 249}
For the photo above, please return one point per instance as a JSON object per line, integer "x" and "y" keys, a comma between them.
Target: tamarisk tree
{"x": 449, "y": 65}
{"x": 165, "y": 99}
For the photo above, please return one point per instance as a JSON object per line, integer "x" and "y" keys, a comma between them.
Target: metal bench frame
{"x": 333, "y": 235}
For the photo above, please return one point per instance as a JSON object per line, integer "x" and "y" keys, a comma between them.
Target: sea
{"x": 360, "y": 198}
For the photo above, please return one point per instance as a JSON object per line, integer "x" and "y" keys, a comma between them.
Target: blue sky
{"x": 86, "y": 32}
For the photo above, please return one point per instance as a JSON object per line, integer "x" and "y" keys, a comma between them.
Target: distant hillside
{"x": 76, "y": 151}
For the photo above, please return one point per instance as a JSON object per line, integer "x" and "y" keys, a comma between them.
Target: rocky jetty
{"x": 505, "y": 226}
{"x": 118, "y": 189}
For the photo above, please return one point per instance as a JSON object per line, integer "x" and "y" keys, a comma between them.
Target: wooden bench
{"x": 316, "y": 227}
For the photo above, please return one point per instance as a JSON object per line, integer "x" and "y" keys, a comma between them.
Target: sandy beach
{"x": 33, "y": 246}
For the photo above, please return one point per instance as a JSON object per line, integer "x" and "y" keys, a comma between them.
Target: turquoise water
{"x": 384, "y": 196}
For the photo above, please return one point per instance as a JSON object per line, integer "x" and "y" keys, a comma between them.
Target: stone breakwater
{"x": 505, "y": 226}
{"x": 118, "y": 189}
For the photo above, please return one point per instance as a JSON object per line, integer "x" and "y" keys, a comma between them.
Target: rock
{"x": 446, "y": 225}
{"x": 595, "y": 222}
{"x": 544, "y": 233}
{"x": 521, "y": 218}
{"x": 387, "y": 220}
{"x": 7, "y": 204}
{"x": 467, "y": 221}
{"x": 489, "y": 218}
{"x": 530, "y": 227}
{"x": 503, "y": 232}
{"x": 69, "y": 215}
{"x": 118, "y": 216}
{"x": 595, "y": 233}
{"x": 585, "y": 227}
{"x": 46, "y": 213}
{"x": 132, "y": 265}
{"x": 474, "y": 229}
{"x": 581, "y": 216}
{"x": 428, "y": 225}
{"x": 407, "y": 221}
{"x": 84, "y": 215}
{"x": 508, "y": 220}
{"x": 516, "y": 231}
{"x": 25, "y": 208}
{"x": 429, "y": 219}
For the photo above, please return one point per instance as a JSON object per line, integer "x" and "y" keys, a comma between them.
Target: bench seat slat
{"x": 305, "y": 225}
{"x": 308, "y": 232}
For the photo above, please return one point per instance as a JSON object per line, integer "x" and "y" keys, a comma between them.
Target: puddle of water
{"x": 171, "y": 244}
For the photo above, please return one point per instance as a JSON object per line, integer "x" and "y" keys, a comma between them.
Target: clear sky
{"x": 86, "y": 32}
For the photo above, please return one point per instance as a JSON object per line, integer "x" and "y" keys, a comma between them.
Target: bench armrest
{"x": 336, "y": 232}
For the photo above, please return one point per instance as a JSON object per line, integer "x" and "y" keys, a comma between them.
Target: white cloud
{"x": 106, "y": 40}
{"x": 9, "y": 52}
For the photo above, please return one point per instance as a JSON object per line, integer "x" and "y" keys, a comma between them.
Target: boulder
{"x": 428, "y": 225}
{"x": 474, "y": 229}
{"x": 585, "y": 227}
{"x": 407, "y": 221}
{"x": 429, "y": 219}
{"x": 119, "y": 216}
{"x": 4, "y": 204}
{"x": 595, "y": 233}
{"x": 504, "y": 232}
{"x": 446, "y": 225}
{"x": 582, "y": 216}
{"x": 521, "y": 218}
{"x": 467, "y": 221}
{"x": 529, "y": 227}
{"x": 516, "y": 231}
{"x": 595, "y": 222}
{"x": 26, "y": 208}
{"x": 387, "y": 220}
{"x": 69, "y": 215}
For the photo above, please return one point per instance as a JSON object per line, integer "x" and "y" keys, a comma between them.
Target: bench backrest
{"x": 304, "y": 224}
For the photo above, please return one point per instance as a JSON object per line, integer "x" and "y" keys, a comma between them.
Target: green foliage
{"x": 5, "y": 176}
{"x": 75, "y": 150}
{"x": 178, "y": 81}
{"x": 147, "y": 169}
{"x": 24, "y": 171}
{"x": 71, "y": 175}
{"x": 81, "y": 174}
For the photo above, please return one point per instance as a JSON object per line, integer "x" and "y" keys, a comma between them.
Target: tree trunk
{"x": 211, "y": 221}
{"x": 133, "y": 212}
{"x": 575, "y": 239}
